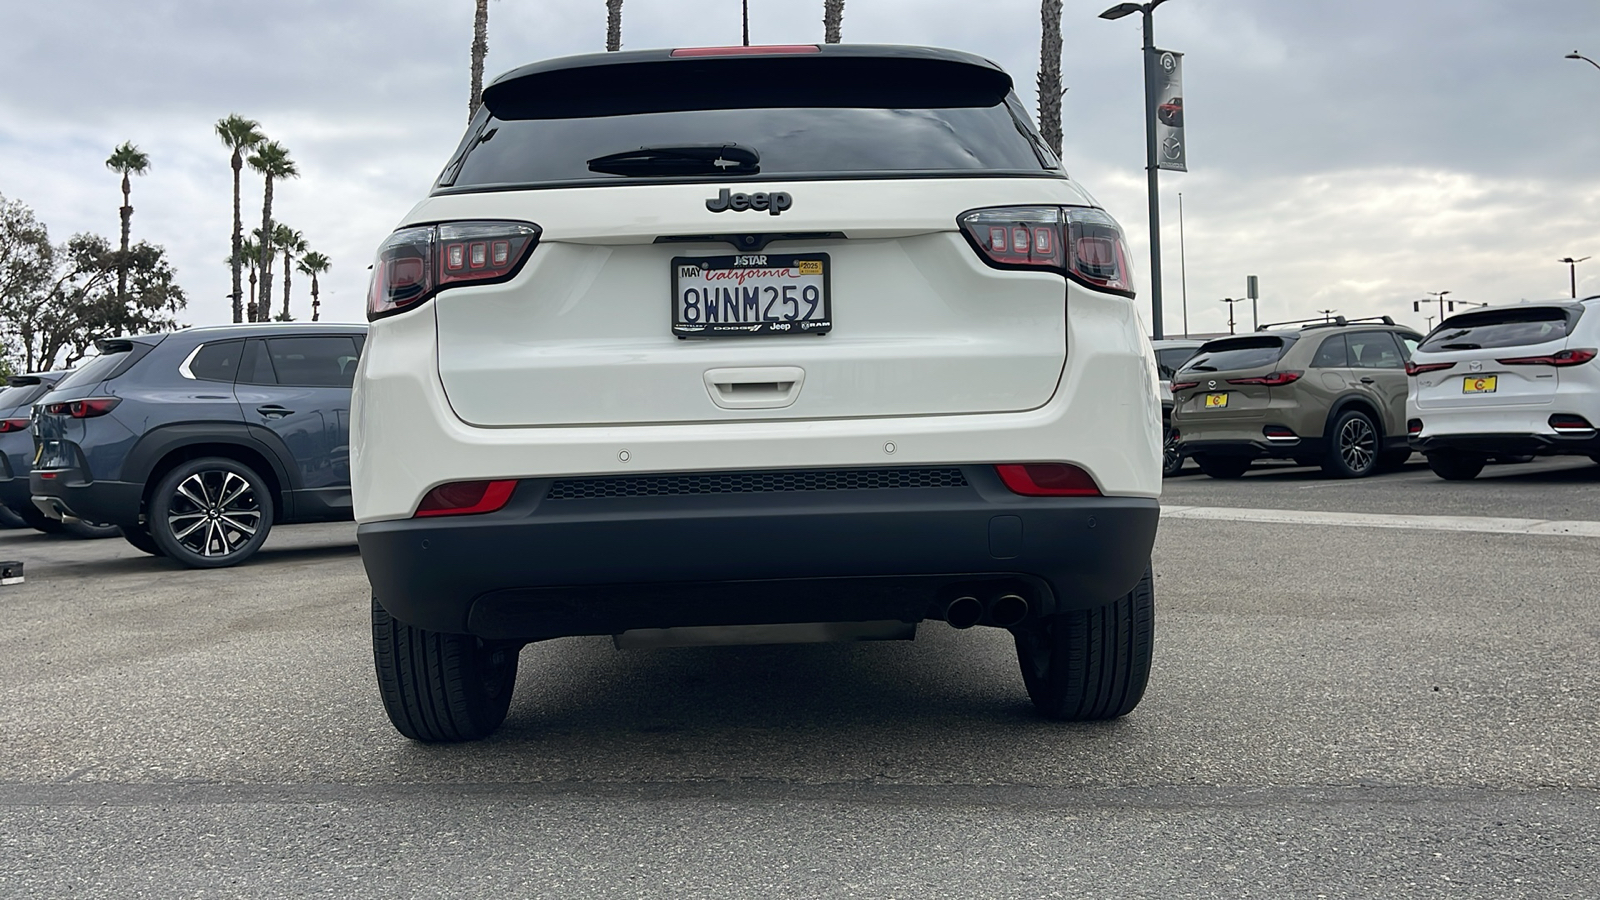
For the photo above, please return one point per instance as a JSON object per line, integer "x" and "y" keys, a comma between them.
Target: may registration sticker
{"x": 754, "y": 293}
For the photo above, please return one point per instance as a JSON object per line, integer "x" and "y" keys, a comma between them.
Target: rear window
{"x": 21, "y": 394}
{"x": 1170, "y": 360}
{"x": 808, "y": 117}
{"x": 1238, "y": 353}
{"x": 95, "y": 370}
{"x": 1513, "y": 327}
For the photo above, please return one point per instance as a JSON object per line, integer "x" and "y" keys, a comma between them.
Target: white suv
{"x": 1505, "y": 381}
{"x": 754, "y": 344}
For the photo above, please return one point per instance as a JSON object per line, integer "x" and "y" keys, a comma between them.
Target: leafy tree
{"x": 291, "y": 244}
{"x": 613, "y": 25}
{"x": 238, "y": 134}
{"x": 313, "y": 263}
{"x": 272, "y": 160}
{"x": 56, "y": 301}
{"x": 832, "y": 18}
{"x": 1050, "y": 74}
{"x": 128, "y": 160}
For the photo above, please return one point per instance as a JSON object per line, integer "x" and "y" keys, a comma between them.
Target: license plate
{"x": 1484, "y": 385}
{"x": 1216, "y": 401}
{"x": 758, "y": 293}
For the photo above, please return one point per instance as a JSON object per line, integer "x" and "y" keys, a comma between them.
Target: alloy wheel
{"x": 213, "y": 513}
{"x": 1358, "y": 444}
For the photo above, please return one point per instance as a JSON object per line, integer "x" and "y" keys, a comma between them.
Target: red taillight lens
{"x": 84, "y": 409}
{"x": 1569, "y": 424}
{"x": 1564, "y": 358}
{"x": 1083, "y": 243}
{"x": 1419, "y": 368}
{"x": 1279, "y": 433}
{"x": 1048, "y": 480}
{"x": 416, "y": 263}
{"x": 7, "y": 426}
{"x": 466, "y": 498}
{"x": 1184, "y": 385}
{"x": 1414, "y": 427}
{"x": 768, "y": 50}
{"x": 1276, "y": 379}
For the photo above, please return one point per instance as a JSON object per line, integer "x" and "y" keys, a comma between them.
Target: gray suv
{"x": 197, "y": 442}
{"x": 1330, "y": 394}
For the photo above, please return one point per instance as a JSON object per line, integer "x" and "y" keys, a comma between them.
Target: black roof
{"x": 643, "y": 81}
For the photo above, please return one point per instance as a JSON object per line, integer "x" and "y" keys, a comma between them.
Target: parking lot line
{"x": 1476, "y": 524}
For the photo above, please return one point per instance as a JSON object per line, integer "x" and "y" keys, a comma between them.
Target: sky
{"x": 1353, "y": 154}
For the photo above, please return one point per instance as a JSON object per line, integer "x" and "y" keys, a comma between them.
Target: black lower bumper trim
{"x": 1514, "y": 444}
{"x": 1304, "y": 448}
{"x": 102, "y": 502}
{"x": 547, "y": 568}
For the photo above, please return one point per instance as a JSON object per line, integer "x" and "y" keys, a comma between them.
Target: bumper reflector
{"x": 466, "y": 498}
{"x": 1048, "y": 480}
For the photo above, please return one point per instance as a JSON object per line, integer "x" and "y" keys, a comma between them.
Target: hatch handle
{"x": 759, "y": 387}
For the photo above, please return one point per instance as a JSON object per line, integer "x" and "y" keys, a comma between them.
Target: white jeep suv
{"x": 754, "y": 344}
{"x": 1521, "y": 379}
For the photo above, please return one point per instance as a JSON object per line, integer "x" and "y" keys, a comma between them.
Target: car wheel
{"x": 9, "y": 519}
{"x": 441, "y": 687}
{"x": 89, "y": 530}
{"x": 1456, "y": 466}
{"x": 210, "y": 513}
{"x": 1393, "y": 460}
{"x": 1172, "y": 457}
{"x": 140, "y": 538}
{"x": 1353, "y": 451}
{"x": 1223, "y": 466}
{"x": 1090, "y": 664}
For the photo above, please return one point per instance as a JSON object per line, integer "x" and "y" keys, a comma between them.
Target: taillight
{"x": 1563, "y": 358}
{"x": 7, "y": 426}
{"x": 466, "y": 498}
{"x": 1048, "y": 480}
{"x": 1419, "y": 368}
{"x": 416, "y": 263}
{"x": 1083, "y": 243}
{"x": 1276, "y": 379}
{"x": 769, "y": 50}
{"x": 83, "y": 409}
{"x": 1563, "y": 423}
{"x": 1184, "y": 385}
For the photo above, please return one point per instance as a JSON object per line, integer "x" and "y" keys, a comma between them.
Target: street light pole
{"x": 1572, "y": 268}
{"x": 1576, "y": 55}
{"x": 1439, "y": 296}
{"x": 1231, "y": 301}
{"x": 1151, "y": 170}
{"x": 1183, "y": 268}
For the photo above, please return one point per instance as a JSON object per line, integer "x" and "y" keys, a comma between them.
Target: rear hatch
{"x": 793, "y": 251}
{"x": 1228, "y": 378}
{"x": 59, "y": 426}
{"x": 1504, "y": 357}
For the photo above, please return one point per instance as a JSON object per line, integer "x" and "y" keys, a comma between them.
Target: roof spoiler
{"x": 23, "y": 380}
{"x": 113, "y": 345}
{"x": 1334, "y": 322}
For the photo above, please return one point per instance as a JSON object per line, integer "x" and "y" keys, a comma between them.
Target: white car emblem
{"x": 1475, "y": 366}
{"x": 1212, "y": 383}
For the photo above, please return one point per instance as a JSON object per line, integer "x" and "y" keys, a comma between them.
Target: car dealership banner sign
{"x": 1171, "y": 153}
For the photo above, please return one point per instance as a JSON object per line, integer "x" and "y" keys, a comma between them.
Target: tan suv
{"x": 1331, "y": 393}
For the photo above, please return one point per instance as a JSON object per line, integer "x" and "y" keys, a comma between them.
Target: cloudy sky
{"x": 1354, "y": 154}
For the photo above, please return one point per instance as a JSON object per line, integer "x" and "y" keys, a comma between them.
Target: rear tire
{"x": 1456, "y": 466}
{"x": 202, "y": 513}
{"x": 1090, "y": 664}
{"x": 1172, "y": 457}
{"x": 38, "y": 521}
{"x": 1223, "y": 466}
{"x": 9, "y": 519}
{"x": 89, "y": 531}
{"x": 441, "y": 688}
{"x": 1352, "y": 446}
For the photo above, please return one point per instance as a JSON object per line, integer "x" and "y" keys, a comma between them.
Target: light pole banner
{"x": 1167, "y": 71}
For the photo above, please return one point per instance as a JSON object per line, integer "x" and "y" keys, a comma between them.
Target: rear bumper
{"x": 1510, "y": 443}
{"x": 65, "y": 492}
{"x": 543, "y": 568}
{"x": 1260, "y": 448}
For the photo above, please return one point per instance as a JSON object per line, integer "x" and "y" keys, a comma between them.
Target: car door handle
{"x": 1369, "y": 381}
{"x": 274, "y": 411}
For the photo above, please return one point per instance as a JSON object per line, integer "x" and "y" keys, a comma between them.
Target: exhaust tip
{"x": 963, "y": 612}
{"x": 1008, "y": 610}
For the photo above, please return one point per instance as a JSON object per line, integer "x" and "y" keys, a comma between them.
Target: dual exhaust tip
{"x": 1002, "y": 611}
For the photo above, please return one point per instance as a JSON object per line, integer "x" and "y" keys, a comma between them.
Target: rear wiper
{"x": 1201, "y": 368}
{"x": 686, "y": 159}
{"x": 453, "y": 170}
{"x": 1460, "y": 346}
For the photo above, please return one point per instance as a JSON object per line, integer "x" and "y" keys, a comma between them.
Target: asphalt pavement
{"x": 1336, "y": 711}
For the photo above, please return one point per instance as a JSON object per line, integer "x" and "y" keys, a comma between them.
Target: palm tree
{"x": 613, "y": 25}
{"x": 129, "y": 160}
{"x": 272, "y": 160}
{"x": 238, "y": 134}
{"x": 832, "y": 16}
{"x": 480, "y": 49}
{"x": 291, "y": 244}
{"x": 313, "y": 263}
{"x": 250, "y": 254}
{"x": 1050, "y": 74}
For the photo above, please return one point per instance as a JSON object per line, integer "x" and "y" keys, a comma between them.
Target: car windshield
{"x": 1228, "y": 354}
{"x": 1513, "y": 327}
